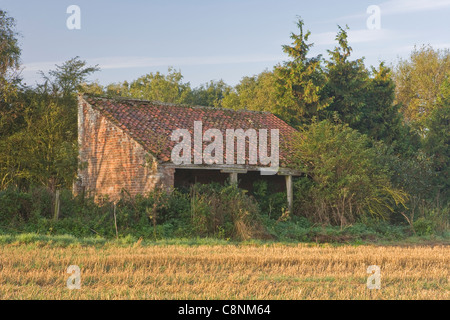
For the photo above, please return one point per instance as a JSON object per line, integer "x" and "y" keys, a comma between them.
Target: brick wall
{"x": 112, "y": 161}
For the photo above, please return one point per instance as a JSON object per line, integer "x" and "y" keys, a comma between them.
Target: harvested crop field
{"x": 38, "y": 271}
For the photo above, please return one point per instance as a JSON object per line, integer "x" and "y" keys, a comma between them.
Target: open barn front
{"x": 184, "y": 178}
{"x": 247, "y": 181}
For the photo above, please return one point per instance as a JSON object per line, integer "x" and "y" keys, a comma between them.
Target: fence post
{"x": 57, "y": 205}
{"x": 115, "y": 221}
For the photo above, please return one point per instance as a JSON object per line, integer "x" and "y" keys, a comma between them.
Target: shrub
{"x": 224, "y": 211}
{"x": 294, "y": 229}
{"x": 273, "y": 204}
{"x": 423, "y": 227}
{"x": 15, "y": 206}
{"x": 343, "y": 178}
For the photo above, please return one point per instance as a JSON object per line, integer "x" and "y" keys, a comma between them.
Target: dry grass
{"x": 36, "y": 271}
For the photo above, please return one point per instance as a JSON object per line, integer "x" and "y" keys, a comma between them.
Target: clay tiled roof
{"x": 151, "y": 123}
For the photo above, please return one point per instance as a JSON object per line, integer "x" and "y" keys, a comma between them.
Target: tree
{"x": 380, "y": 117}
{"x": 67, "y": 78}
{"x": 299, "y": 83}
{"x": 121, "y": 89}
{"x": 158, "y": 87}
{"x": 437, "y": 139}
{"x": 9, "y": 45}
{"x": 254, "y": 93}
{"x": 365, "y": 100}
{"x": 93, "y": 88}
{"x": 418, "y": 81}
{"x": 344, "y": 181}
{"x": 210, "y": 94}
{"x": 10, "y": 109}
{"x": 44, "y": 149}
{"x": 65, "y": 81}
{"x": 347, "y": 82}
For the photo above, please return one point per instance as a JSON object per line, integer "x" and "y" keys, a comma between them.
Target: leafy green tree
{"x": 158, "y": 87}
{"x": 44, "y": 149}
{"x": 437, "y": 139}
{"x": 418, "y": 81}
{"x": 231, "y": 100}
{"x": 67, "y": 78}
{"x": 344, "y": 181}
{"x": 10, "y": 110}
{"x": 93, "y": 88}
{"x": 9, "y": 44}
{"x": 300, "y": 82}
{"x": 210, "y": 94}
{"x": 254, "y": 93}
{"x": 120, "y": 89}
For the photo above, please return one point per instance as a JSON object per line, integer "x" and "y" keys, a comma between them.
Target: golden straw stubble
{"x": 224, "y": 272}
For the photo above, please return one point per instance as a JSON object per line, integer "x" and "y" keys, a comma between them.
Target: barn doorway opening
{"x": 275, "y": 182}
{"x": 185, "y": 178}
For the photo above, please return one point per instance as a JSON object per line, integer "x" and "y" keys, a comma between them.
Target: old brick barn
{"x": 125, "y": 144}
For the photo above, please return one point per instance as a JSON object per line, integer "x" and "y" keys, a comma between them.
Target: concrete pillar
{"x": 233, "y": 172}
{"x": 233, "y": 177}
{"x": 290, "y": 192}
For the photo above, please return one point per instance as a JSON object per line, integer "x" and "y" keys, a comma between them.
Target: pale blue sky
{"x": 212, "y": 40}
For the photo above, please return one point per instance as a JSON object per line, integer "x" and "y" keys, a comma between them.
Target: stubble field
{"x": 38, "y": 271}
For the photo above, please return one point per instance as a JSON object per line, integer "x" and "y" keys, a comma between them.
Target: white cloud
{"x": 145, "y": 62}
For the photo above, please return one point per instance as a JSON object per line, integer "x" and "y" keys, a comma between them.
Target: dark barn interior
{"x": 184, "y": 178}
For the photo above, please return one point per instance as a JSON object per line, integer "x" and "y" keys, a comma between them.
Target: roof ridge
{"x": 169, "y": 104}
